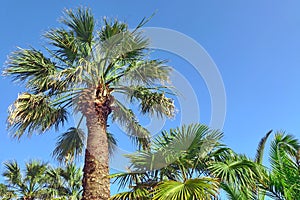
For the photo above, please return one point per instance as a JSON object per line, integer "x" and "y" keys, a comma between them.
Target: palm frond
{"x": 198, "y": 188}
{"x": 119, "y": 48}
{"x": 32, "y": 67}
{"x": 235, "y": 193}
{"x": 187, "y": 145}
{"x": 70, "y": 145}
{"x": 82, "y": 23}
{"x": 128, "y": 179}
{"x": 123, "y": 48}
{"x": 65, "y": 43}
{"x": 126, "y": 118}
{"x": 239, "y": 170}
{"x": 152, "y": 102}
{"x": 284, "y": 176}
{"x": 111, "y": 28}
{"x": 31, "y": 113}
{"x": 35, "y": 171}
{"x": 112, "y": 143}
{"x": 6, "y": 193}
{"x": 149, "y": 161}
{"x": 12, "y": 173}
{"x": 134, "y": 194}
{"x": 65, "y": 182}
{"x": 261, "y": 147}
{"x": 147, "y": 73}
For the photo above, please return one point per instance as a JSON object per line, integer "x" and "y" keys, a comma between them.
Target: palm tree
{"x": 249, "y": 173}
{"x": 188, "y": 163}
{"x": 5, "y": 193}
{"x": 239, "y": 177}
{"x": 283, "y": 182}
{"x": 175, "y": 167}
{"x": 65, "y": 183}
{"x": 82, "y": 71}
{"x": 30, "y": 185}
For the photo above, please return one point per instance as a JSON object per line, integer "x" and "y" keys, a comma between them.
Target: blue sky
{"x": 255, "y": 45}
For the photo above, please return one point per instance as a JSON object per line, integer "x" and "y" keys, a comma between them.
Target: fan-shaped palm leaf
{"x": 198, "y": 188}
{"x": 237, "y": 170}
{"x": 70, "y": 145}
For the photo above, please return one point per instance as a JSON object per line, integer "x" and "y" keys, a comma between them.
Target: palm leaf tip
{"x": 261, "y": 147}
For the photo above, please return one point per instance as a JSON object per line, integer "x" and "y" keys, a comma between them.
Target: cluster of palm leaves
{"x": 41, "y": 181}
{"x": 191, "y": 163}
{"x": 85, "y": 70}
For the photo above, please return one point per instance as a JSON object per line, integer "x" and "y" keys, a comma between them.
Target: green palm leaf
{"x": 127, "y": 119}
{"x": 70, "y": 145}
{"x": 66, "y": 181}
{"x": 199, "y": 188}
{"x": 82, "y": 23}
{"x": 152, "y": 102}
{"x": 261, "y": 147}
{"x": 135, "y": 194}
{"x": 238, "y": 170}
{"x": 6, "y": 193}
{"x": 65, "y": 43}
{"x": 12, "y": 173}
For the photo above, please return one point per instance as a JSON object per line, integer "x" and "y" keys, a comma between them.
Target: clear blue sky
{"x": 255, "y": 45}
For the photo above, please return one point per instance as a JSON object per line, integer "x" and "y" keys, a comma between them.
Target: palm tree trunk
{"x": 96, "y": 170}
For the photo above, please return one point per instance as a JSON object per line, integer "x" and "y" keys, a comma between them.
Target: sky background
{"x": 255, "y": 45}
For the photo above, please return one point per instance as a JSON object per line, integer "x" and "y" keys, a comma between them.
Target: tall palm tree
{"x": 82, "y": 71}
{"x": 29, "y": 185}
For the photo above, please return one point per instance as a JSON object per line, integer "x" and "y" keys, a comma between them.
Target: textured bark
{"x": 96, "y": 170}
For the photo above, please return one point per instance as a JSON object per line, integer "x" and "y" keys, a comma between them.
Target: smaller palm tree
{"x": 280, "y": 182}
{"x": 65, "y": 183}
{"x": 189, "y": 163}
{"x": 175, "y": 167}
{"x": 283, "y": 182}
{"x": 31, "y": 184}
{"x": 5, "y": 193}
{"x": 241, "y": 176}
